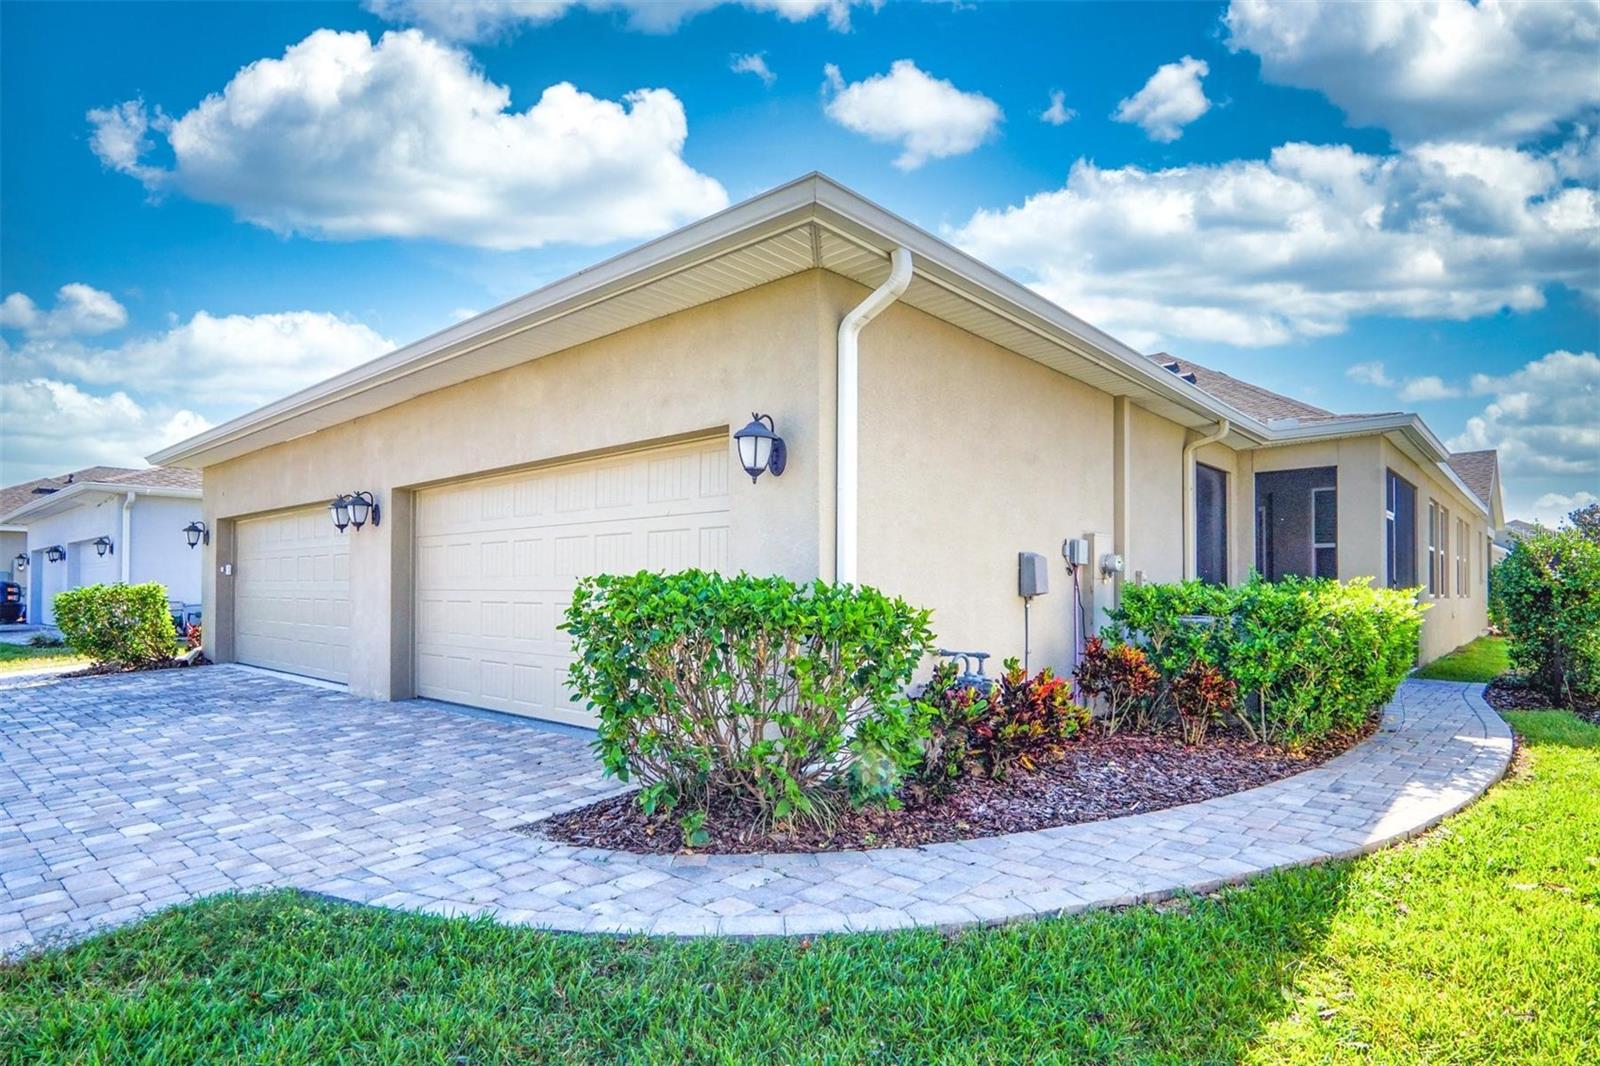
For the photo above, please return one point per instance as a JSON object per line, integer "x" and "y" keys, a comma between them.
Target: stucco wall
{"x": 73, "y": 529}
{"x": 1154, "y": 545}
{"x": 701, "y": 370}
{"x": 970, "y": 454}
{"x": 1451, "y": 620}
{"x": 160, "y": 551}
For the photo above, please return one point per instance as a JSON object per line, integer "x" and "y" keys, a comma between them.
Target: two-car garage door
{"x": 497, "y": 559}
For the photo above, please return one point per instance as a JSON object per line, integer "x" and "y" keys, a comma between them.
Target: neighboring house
{"x": 585, "y": 427}
{"x": 136, "y": 516}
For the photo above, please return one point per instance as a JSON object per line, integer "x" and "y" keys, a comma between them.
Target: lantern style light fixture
{"x": 362, "y": 504}
{"x": 197, "y": 533}
{"x": 760, "y": 448}
{"x": 102, "y": 545}
{"x": 55, "y": 553}
{"x": 19, "y": 561}
{"x": 339, "y": 508}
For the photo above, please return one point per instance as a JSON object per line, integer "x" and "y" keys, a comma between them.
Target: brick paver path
{"x": 123, "y": 795}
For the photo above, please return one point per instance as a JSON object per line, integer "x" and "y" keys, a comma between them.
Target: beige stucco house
{"x": 938, "y": 420}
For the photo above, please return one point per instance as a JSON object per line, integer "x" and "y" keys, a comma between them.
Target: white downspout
{"x": 847, "y": 452}
{"x": 123, "y": 546}
{"x": 1190, "y": 547}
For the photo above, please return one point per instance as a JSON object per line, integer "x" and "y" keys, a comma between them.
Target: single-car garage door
{"x": 291, "y": 594}
{"x": 497, "y": 559}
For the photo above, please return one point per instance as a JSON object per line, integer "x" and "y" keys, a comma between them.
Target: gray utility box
{"x": 1033, "y": 575}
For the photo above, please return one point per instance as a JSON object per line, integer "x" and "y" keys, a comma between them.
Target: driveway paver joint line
{"x": 127, "y": 794}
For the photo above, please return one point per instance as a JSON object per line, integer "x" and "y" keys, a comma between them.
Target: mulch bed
{"x": 1097, "y": 778}
{"x": 1509, "y": 692}
{"x": 101, "y": 669}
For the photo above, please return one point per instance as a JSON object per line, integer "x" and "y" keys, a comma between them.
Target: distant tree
{"x": 1586, "y": 520}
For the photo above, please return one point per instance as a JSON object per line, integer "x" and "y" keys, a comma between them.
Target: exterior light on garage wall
{"x": 197, "y": 533}
{"x": 339, "y": 508}
{"x": 55, "y": 553}
{"x": 102, "y": 545}
{"x": 19, "y": 561}
{"x": 361, "y": 505}
{"x": 760, "y": 448}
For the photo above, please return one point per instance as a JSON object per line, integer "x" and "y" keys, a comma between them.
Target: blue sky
{"x": 1366, "y": 206}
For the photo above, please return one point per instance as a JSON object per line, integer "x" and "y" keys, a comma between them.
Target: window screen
{"x": 1211, "y": 524}
{"x": 1401, "y": 523}
{"x": 1325, "y": 531}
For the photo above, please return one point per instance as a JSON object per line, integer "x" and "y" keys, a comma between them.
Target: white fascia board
{"x": 71, "y": 496}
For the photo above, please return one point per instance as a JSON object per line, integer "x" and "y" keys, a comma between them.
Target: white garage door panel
{"x": 497, "y": 560}
{"x": 291, "y": 594}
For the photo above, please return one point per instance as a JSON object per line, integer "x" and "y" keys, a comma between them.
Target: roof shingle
{"x": 167, "y": 477}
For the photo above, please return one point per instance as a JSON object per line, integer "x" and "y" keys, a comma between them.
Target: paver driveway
{"x": 124, "y": 794}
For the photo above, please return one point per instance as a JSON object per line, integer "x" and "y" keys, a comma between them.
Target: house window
{"x": 1400, "y": 522}
{"x": 1325, "y": 532}
{"x": 1444, "y": 551}
{"x": 1211, "y": 524}
{"x": 1461, "y": 557}
{"x": 1433, "y": 548}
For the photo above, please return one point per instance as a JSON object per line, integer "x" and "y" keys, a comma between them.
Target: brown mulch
{"x": 1509, "y": 692}
{"x": 101, "y": 669}
{"x": 1098, "y": 777}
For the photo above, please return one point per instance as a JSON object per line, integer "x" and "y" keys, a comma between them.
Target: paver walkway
{"x": 122, "y": 795}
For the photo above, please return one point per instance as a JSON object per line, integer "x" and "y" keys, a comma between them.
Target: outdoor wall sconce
{"x": 19, "y": 561}
{"x": 102, "y": 545}
{"x": 55, "y": 553}
{"x": 353, "y": 509}
{"x": 197, "y": 533}
{"x": 760, "y": 448}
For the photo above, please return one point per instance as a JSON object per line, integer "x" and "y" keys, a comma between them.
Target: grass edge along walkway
{"x": 1477, "y": 943}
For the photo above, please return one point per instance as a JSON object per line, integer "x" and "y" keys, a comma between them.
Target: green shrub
{"x": 1311, "y": 656}
{"x": 1549, "y": 594}
{"x": 755, "y": 691}
{"x": 125, "y": 624}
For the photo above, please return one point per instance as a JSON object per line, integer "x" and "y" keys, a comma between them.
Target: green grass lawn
{"x": 1478, "y": 944}
{"x": 27, "y": 657}
{"x": 1482, "y": 660}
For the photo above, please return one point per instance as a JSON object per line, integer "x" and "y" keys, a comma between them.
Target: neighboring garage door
{"x": 497, "y": 559}
{"x": 291, "y": 594}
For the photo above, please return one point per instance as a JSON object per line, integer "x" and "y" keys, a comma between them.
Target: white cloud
{"x": 754, "y": 63}
{"x": 1429, "y": 387}
{"x": 343, "y": 138}
{"x": 1432, "y": 69}
{"x": 484, "y": 20}
{"x": 1541, "y": 418}
{"x": 1263, "y": 252}
{"x": 80, "y": 310}
{"x": 1169, "y": 101}
{"x": 928, "y": 117}
{"x": 232, "y": 361}
{"x": 53, "y": 426}
{"x": 1552, "y": 508}
{"x": 1370, "y": 374}
{"x": 1058, "y": 113}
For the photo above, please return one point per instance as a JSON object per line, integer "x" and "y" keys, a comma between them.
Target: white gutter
{"x": 848, "y": 441}
{"x": 127, "y": 532}
{"x": 1190, "y": 542}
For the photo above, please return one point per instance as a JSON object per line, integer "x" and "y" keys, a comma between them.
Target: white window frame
{"x": 1433, "y": 547}
{"x": 1316, "y": 544}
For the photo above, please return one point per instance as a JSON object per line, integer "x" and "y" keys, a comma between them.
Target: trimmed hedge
{"x": 1547, "y": 594}
{"x": 1309, "y": 656}
{"x": 755, "y": 691}
{"x": 125, "y": 624}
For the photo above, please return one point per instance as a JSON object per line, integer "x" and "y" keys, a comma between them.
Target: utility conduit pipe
{"x": 848, "y": 445}
{"x": 1190, "y": 542}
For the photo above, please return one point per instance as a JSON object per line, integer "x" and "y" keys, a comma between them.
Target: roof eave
{"x": 70, "y": 495}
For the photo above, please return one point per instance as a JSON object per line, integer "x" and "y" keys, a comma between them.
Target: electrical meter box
{"x": 1033, "y": 575}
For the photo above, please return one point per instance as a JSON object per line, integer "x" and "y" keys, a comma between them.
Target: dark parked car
{"x": 10, "y": 602}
